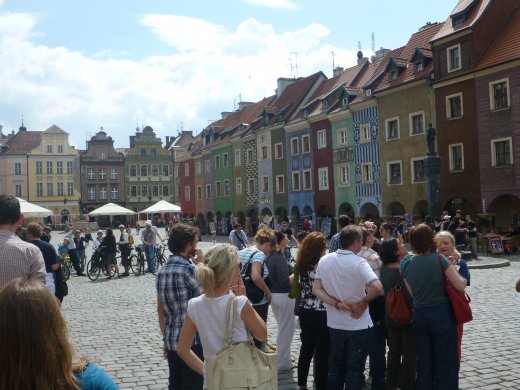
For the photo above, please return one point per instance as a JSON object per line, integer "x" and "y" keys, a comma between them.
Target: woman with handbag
{"x": 445, "y": 242}
{"x": 434, "y": 323}
{"x": 283, "y": 307}
{"x": 312, "y": 314}
{"x": 206, "y": 314}
{"x": 402, "y": 358}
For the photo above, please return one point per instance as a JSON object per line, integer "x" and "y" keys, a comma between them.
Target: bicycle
{"x": 97, "y": 264}
{"x": 160, "y": 257}
{"x": 137, "y": 260}
{"x": 65, "y": 262}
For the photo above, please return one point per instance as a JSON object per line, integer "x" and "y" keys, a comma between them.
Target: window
{"x": 418, "y": 170}
{"x": 417, "y": 123}
{"x": 456, "y": 157}
{"x": 198, "y": 168}
{"x": 113, "y": 173}
{"x": 218, "y": 188}
{"x": 366, "y": 173}
{"x": 294, "y": 146}
{"x": 501, "y": 152}
{"x": 60, "y": 189}
{"x": 263, "y": 152}
{"x": 102, "y": 156}
{"x": 143, "y": 152}
{"x": 322, "y": 139}
{"x": 392, "y": 128}
{"x": 324, "y": 104}
{"x": 155, "y": 170}
{"x": 91, "y": 192}
{"x": 39, "y": 189}
{"x": 499, "y": 94}
{"x": 394, "y": 171}
{"x": 393, "y": 75}
{"x": 225, "y": 160}
{"x": 265, "y": 184}
{"x": 208, "y": 191}
{"x": 238, "y": 186}
{"x": 307, "y": 180}
{"x": 454, "y": 107}
{"x": 166, "y": 169}
{"x": 419, "y": 66}
{"x": 238, "y": 160}
{"x": 91, "y": 175}
{"x": 186, "y": 169}
{"x": 166, "y": 190}
{"x": 207, "y": 166}
{"x": 59, "y": 167}
{"x": 144, "y": 170}
{"x": 323, "y": 177}
{"x": 155, "y": 190}
{"x": 103, "y": 195}
{"x": 217, "y": 162}
{"x": 251, "y": 186}
{"x": 342, "y": 136}
{"x": 60, "y": 148}
{"x": 115, "y": 192}
{"x": 17, "y": 169}
{"x": 280, "y": 184}
{"x": 199, "y": 192}
{"x": 453, "y": 58}
{"x": 144, "y": 190}
{"x": 344, "y": 175}
{"x": 364, "y": 133}
{"x": 39, "y": 167}
{"x": 187, "y": 193}
{"x": 18, "y": 190}
{"x": 227, "y": 188}
{"x": 153, "y": 152}
{"x": 306, "y": 144}
{"x": 177, "y": 191}
{"x": 50, "y": 189}
{"x": 70, "y": 188}
{"x": 278, "y": 151}
{"x": 249, "y": 155}
{"x": 102, "y": 173}
{"x": 296, "y": 181}
{"x": 49, "y": 148}
{"x": 133, "y": 190}
{"x": 70, "y": 167}
{"x": 49, "y": 167}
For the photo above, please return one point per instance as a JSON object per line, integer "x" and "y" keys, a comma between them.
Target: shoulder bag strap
{"x": 239, "y": 239}
{"x": 247, "y": 266}
{"x": 235, "y": 321}
{"x": 227, "y": 340}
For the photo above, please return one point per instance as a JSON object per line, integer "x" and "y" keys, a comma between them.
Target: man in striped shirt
{"x": 18, "y": 259}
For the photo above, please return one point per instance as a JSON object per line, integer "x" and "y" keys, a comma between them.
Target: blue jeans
{"x": 149, "y": 252}
{"x": 81, "y": 258}
{"x": 435, "y": 333}
{"x": 377, "y": 356}
{"x": 348, "y": 354}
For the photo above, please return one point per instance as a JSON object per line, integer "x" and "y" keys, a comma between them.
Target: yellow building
{"x": 53, "y": 175}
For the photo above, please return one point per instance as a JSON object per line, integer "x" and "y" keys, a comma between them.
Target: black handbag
{"x": 253, "y": 292}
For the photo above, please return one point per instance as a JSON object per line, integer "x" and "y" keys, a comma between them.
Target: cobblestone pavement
{"x": 114, "y": 324}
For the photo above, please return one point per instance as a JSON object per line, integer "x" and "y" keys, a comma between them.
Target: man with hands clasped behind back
{"x": 345, "y": 283}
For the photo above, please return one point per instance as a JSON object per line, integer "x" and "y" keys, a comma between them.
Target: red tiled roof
{"x": 23, "y": 142}
{"x": 479, "y": 6}
{"x": 506, "y": 45}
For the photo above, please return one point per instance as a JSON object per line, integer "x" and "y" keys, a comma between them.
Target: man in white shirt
{"x": 345, "y": 283}
{"x": 124, "y": 249}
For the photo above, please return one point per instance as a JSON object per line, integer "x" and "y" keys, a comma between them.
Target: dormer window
{"x": 368, "y": 92}
{"x": 458, "y": 20}
{"x": 393, "y": 75}
{"x": 305, "y": 114}
{"x": 419, "y": 66}
{"x": 324, "y": 104}
{"x": 344, "y": 102}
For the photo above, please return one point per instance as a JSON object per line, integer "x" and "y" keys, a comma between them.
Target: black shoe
{"x": 81, "y": 274}
{"x": 124, "y": 275}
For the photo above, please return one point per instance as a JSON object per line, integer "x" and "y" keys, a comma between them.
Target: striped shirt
{"x": 176, "y": 285}
{"x": 19, "y": 259}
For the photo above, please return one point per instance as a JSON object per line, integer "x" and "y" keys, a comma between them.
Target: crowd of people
{"x": 338, "y": 298}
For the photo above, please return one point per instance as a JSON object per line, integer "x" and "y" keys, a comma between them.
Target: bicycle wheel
{"x": 66, "y": 271}
{"x": 135, "y": 264}
{"x": 93, "y": 270}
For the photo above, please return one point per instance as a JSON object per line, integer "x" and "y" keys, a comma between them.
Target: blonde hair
{"x": 35, "y": 352}
{"x": 446, "y": 233}
{"x": 265, "y": 235}
{"x": 217, "y": 268}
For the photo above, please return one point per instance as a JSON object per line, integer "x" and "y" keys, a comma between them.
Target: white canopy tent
{"x": 29, "y": 209}
{"x": 162, "y": 206}
{"x": 111, "y": 209}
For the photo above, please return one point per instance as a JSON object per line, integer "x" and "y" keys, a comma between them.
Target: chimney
{"x": 242, "y": 105}
{"x": 283, "y": 83}
{"x": 380, "y": 54}
{"x": 225, "y": 114}
{"x": 337, "y": 71}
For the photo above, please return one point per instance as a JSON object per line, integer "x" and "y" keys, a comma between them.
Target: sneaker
{"x": 267, "y": 349}
{"x": 271, "y": 346}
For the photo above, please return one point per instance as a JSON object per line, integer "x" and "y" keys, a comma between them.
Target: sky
{"x": 172, "y": 65}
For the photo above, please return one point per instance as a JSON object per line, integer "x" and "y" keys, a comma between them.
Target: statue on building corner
{"x": 430, "y": 140}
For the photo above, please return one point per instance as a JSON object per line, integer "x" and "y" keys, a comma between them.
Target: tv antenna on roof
{"x": 293, "y": 66}
{"x": 359, "y": 45}
{"x": 373, "y": 42}
{"x": 333, "y": 56}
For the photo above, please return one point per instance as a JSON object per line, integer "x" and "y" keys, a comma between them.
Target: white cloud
{"x": 208, "y": 68}
{"x": 287, "y": 4}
